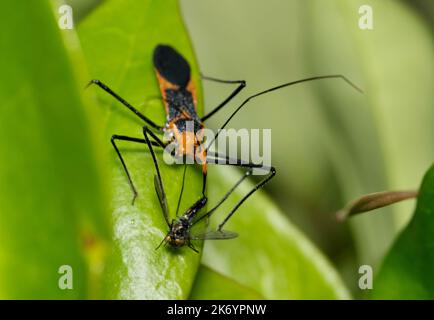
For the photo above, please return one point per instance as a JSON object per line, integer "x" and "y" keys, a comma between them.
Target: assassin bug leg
{"x": 157, "y": 143}
{"x": 223, "y": 199}
{"x": 257, "y": 187}
{"x": 250, "y": 166}
{"x": 125, "y": 103}
{"x": 157, "y": 178}
{"x": 241, "y": 86}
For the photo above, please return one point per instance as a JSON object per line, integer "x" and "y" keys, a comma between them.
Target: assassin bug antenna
{"x": 288, "y": 84}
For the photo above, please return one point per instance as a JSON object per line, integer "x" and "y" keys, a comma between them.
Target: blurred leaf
{"x": 407, "y": 271}
{"x": 51, "y": 196}
{"x": 374, "y": 201}
{"x": 118, "y": 39}
{"x": 211, "y": 285}
{"x": 270, "y": 256}
{"x": 373, "y": 143}
{"x": 424, "y": 8}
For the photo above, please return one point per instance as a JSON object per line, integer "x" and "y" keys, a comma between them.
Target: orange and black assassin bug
{"x": 178, "y": 92}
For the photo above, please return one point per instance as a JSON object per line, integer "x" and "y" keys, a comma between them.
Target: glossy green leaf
{"x": 270, "y": 256}
{"x": 211, "y": 285}
{"x": 118, "y": 39}
{"x": 407, "y": 271}
{"x": 51, "y": 196}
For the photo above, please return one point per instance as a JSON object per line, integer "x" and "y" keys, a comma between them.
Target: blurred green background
{"x": 65, "y": 200}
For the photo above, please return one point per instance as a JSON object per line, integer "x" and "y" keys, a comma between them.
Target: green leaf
{"x": 270, "y": 256}
{"x": 211, "y": 285}
{"x": 118, "y": 39}
{"x": 51, "y": 196}
{"x": 407, "y": 271}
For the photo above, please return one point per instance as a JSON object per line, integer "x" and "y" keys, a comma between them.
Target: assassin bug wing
{"x": 162, "y": 198}
{"x": 187, "y": 111}
{"x": 171, "y": 65}
{"x": 215, "y": 235}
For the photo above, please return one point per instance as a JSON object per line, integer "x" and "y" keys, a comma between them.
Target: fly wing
{"x": 162, "y": 198}
{"x": 215, "y": 235}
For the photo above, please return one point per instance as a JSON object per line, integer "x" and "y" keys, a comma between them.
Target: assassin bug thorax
{"x": 179, "y": 97}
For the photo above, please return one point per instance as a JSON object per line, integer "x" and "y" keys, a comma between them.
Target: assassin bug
{"x": 179, "y": 97}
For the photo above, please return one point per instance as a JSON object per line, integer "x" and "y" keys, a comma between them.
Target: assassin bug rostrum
{"x": 179, "y": 97}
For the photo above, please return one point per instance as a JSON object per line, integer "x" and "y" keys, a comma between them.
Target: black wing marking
{"x": 215, "y": 235}
{"x": 162, "y": 198}
{"x": 171, "y": 65}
